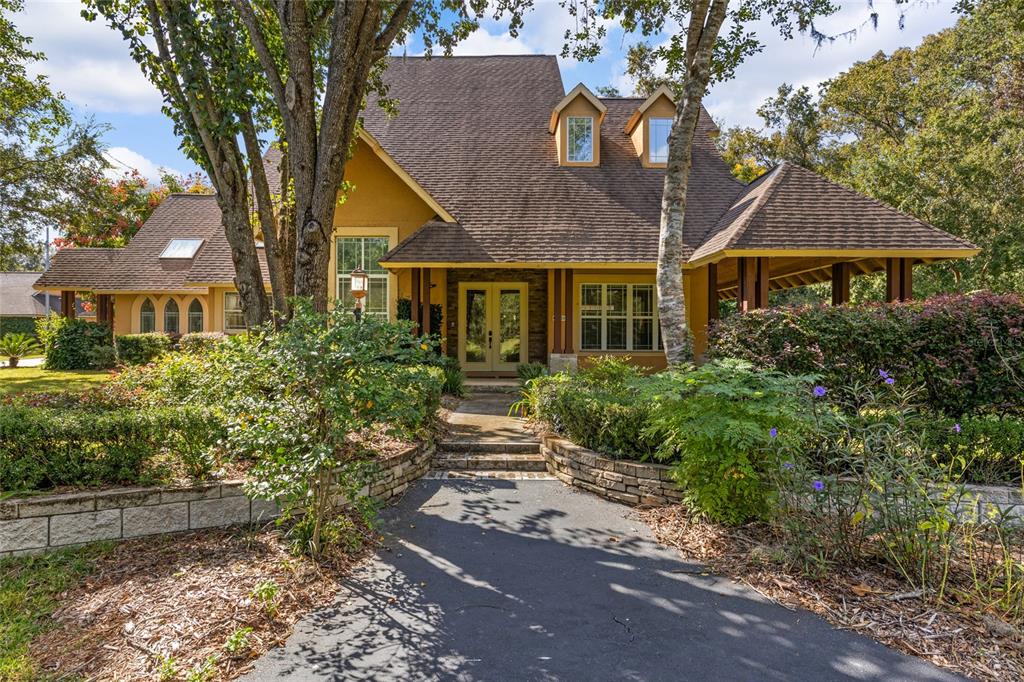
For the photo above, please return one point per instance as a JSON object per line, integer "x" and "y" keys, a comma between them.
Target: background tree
{"x": 46, "y": 159}
{"x": 121, "y": 206}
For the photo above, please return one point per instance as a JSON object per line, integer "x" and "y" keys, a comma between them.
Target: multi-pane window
{"x": 618, "y": 317}
{"x": 658, "y": 138}
{"x": 147, "y": 317}
{"x": 171, "y": 316}
{"x": 195, "y": 316}
{"x": 234, "y": 320}
{"x": 580, "y": 139}
{"x": 365, "y": 253}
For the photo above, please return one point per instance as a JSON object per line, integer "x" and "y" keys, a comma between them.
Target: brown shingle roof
{"x": 473, "y": 131}
{"x": 792, "y": 208}
{"x": 83, "y": 268}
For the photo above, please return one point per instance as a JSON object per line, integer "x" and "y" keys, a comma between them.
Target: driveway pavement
{"x": 530, "y": 580}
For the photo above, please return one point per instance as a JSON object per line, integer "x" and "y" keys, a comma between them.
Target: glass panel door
{"x": 492, "y": 322}
{"x": 510, "y": 331}
{"x": 475, "y": 329}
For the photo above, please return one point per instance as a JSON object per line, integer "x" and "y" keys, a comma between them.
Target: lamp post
{"x": 360, "y": 285}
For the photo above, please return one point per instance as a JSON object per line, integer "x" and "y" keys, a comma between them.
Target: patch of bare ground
{"x": 869, "y": 600}
{"x": 161, "y": 608}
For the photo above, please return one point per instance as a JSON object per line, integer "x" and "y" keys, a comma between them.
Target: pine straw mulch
{"x": 181, "y": 597}
{"x": 870, "y": 600}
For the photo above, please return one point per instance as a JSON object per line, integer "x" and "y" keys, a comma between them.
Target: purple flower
{"x": 773, "y": 432}
{"x": 819, "y": 391}
{"x": 956, "y": 428}
{"x": 882, "y": 373}
{"x": 818, "y": 485}
{"x": 787, "y": 465}
{"x": 890, "y": 381}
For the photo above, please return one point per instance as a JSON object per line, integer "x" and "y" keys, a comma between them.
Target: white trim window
{"x": 147, "y": 317}
{"x": 234, "y": 320}
{"x": 171, "y": 317}
{"x": 579, "y": 136}
{"x": 658, "y": 139}
{"x": 618, "y": 317}
{"x": 365, "y": 253}
{"x": 195, "y": 316}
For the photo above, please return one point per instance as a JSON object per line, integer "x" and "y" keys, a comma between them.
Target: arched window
{"x": 171, "y": 316}
{"x": 195, "y": 316}
{"x": 147, "y": 317}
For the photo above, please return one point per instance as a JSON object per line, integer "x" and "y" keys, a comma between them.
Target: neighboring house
{"x": 21, "y": 304}
{"x": 531, "y": 217}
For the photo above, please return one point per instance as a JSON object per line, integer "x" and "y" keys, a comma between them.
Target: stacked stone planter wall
{"x": 37, "y": 524}
{"x": 628, "y": 482}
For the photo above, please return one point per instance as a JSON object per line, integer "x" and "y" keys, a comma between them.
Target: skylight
{"x": 182, "y": 248}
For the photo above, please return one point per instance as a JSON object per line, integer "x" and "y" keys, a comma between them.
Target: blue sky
{"x": 90, "y": 64}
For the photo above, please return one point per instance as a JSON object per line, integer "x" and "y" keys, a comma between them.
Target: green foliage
{"x": 238, "y": 641}
{"x": 967, "y": 352}
{"x": 403, "y": 311}
{"x": 75, "y": 343}
{"x": 197, "y": 342}
{"x": 531, "y": 370}
{"x": 15, "y": 346}
{"x": 42, "y": 447}
{"x": 18, "y": 325}
{"x": 454, "y": 382}
{"x": 720, "y": 422}
{"x": 989, "y": 448}
{"x": 140, "y": 349}
{"x": 30, "y": 588}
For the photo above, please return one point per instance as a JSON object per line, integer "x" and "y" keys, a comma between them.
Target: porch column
{"x": 67, "y": 304}
{"x": 712, "y": 291}
{"x": 414, "y": 313}
{"x": 763, "y": 279}
{"x": 556, "y": 321}
{"x": 426, "y": 302}
{"x": 104, "y": 308}
{"x": 569, "y": 345}
{"x": 840, "y": 283}
{"x": 746, "y": 270}
{"x": 898, "y": 279}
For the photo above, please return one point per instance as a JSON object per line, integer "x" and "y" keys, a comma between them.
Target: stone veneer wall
{"x": 629, "y": 482}
{"x": 37, "y": 524}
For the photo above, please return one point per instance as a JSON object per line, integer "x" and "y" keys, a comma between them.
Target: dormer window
{"x": 658, "y": 137}
{"x": 181, "y": 248}
{"x": 580, "y": 133}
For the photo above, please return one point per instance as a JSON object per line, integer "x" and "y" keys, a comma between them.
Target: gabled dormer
{"x": 576, "y": 125}
{"x": 649, "y": 127}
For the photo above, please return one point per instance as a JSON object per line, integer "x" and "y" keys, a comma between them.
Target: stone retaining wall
{"x": 37, "y": 524}
{"x": 629, "y": 482}
{"x": 985, "y": 500}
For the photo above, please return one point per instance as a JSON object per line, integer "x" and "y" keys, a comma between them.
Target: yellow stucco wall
{"x": 127, "y": 308}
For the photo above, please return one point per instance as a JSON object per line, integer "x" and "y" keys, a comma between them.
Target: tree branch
{"x": 259, "y": 44}
{"x": 382, "y": 43}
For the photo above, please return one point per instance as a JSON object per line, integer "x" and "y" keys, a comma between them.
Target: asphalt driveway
{"x": 530, "y": 580}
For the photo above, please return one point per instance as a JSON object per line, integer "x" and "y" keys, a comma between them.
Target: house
{"x": 530, "y": 217}
{"x": 21, "y": 304}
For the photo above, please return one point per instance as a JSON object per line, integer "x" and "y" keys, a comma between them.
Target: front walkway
{"x": 485, "y": 579}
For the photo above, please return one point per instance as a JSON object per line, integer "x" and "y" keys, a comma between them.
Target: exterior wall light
{"x": 360, "y": 285}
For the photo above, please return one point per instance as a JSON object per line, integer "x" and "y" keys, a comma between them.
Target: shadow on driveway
{"x": 530, "y": 580}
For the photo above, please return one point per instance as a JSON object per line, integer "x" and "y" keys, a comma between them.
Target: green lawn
{"x": 23, "y": 379}
{"x": 29, "y": 588}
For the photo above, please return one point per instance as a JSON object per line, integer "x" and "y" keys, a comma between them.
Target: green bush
{"x": 454, "y": 377}
{"x": 531, "y": 370}
{"x": 18, "y": 325}
{"x": 42, "y": 447}
{"x": 989, "y": 448}
{"x": 966, "y": 352}
{"x": 75, "y": 343}
{"x": 197, "y": 342}
{"x": 140, "y": 349}
{"x": 16, "y": 346}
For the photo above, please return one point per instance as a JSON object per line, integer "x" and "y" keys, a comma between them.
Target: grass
{"x": 28, "y": 379}
{"x": 29, "y": 590}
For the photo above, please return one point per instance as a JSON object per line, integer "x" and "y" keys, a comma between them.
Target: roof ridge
{"x": 759, "y": 202}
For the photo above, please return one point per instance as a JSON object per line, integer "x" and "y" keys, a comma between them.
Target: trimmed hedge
{"x": 18, "y": 325}
{"x": 75, "y": 343}
{"x": 966, "y": 352}
{"x": 197, "y": 342}
{"x": 42, "y": 447}
{"x": 141, "y": 349}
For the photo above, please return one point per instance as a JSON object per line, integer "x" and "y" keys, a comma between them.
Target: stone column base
{"x": 562, "y": 361}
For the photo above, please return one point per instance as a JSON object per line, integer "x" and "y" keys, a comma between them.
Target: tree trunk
{"x": 705, "y": 23}
{"x": 248, "y": 276}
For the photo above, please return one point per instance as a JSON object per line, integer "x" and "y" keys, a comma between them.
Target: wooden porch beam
{"x": 763, "y": 278}
{"x": 415, "y": 301}
{"x": 570, "y": 346}
{"x": 426, "y": 304}
{"x": 556, "y": 315}
{"x": 712, "y": 291}
{"x": 67, "y": 304}
{"x": 747, "y": 270}
{"x": 840, "y": 283}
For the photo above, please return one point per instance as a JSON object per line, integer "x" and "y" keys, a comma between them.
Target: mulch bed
{"x": 180, "y": 598}
{"x": 869, "y": 600}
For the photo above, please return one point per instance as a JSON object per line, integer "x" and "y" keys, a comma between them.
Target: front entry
{"x": 492, "y": 325}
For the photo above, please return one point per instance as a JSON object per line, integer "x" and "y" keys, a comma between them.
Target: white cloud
{"x": 482, "y": 42}
{"x": 123, "y": 160}
{"x": 87, "y": 61}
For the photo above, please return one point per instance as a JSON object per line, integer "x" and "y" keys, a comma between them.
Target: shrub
{"x": 197, "y": 342}
{"x": 403, "y": 311}
{"x": 721, "y": 423}
{"x": 454, "y": 379}
{"x": 989, "y": 448}
{"x": 966, "y": 352}
{"x": 531, "y": 370}
{"x": 18, "y": 325}
{"x": 42, "y": 447}
{"x": 15, "y": 346}
{"x": 139, "y": 349}
{"x": 75, "y": 343}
